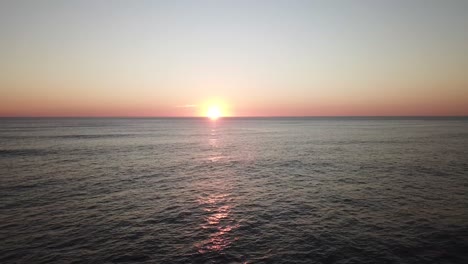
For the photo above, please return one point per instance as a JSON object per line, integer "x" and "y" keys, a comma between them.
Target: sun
{"x": 214, "y": 109}
{"x": 213, "y": 112}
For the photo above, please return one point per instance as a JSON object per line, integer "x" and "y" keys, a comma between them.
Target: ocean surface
{"x": 235, "y": 190}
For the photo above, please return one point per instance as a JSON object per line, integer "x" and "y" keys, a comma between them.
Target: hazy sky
{"x": 260, "y": 58}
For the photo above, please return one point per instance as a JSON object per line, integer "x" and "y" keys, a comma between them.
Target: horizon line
{"x": 228, "y": 117}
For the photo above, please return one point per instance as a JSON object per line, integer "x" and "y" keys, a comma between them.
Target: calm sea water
{"x": 277, "y": 190}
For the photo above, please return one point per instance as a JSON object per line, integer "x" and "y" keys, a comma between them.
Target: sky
{"x": 250, "y": 58}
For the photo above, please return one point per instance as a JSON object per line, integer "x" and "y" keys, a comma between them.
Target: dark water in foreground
{"x": 234, "y": 191}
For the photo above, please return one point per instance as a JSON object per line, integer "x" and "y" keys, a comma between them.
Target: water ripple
{"x": 235, "y": 191}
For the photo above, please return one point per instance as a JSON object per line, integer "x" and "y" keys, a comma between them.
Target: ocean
{"x": 234, "y": 190}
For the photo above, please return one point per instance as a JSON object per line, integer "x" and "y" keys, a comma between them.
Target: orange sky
{"x": 268, "y": 58}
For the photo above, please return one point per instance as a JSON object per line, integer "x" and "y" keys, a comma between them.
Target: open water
{"x": 237, "y": 190}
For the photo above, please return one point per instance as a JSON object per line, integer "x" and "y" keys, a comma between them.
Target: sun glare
{"x": 214, "y": 109}
{"x": 213, "y": 112}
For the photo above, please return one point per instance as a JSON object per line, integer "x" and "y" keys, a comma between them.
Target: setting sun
{"x": 213, "y": 112}
{"x": 214, "y": 108}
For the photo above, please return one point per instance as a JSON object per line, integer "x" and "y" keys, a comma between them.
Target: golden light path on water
{"x": 218, "y": 221}
{"x": 217, "y": 206}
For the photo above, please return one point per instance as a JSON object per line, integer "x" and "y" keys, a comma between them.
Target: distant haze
{"x": 259, "y": 58}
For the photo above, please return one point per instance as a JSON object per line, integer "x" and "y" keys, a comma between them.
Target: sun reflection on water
{"x": 218, "y": 221}
{"x": 214, "y": 144}
{"x": 213, "y": 139}
{"x": 217, "y": 203}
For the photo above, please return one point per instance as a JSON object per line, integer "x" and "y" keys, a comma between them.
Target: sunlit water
{"x": 234, "y": 190}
